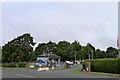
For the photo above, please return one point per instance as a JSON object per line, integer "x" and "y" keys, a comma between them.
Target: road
{"x": 58, "y": 73}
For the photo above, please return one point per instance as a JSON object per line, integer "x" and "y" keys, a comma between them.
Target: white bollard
{"x": 52, "y": 67}
{"x": 43, "y": 69}
{"x": 47, "y": 68}
{"x": 40, "y": 69}
{"x": 87, "y": 69}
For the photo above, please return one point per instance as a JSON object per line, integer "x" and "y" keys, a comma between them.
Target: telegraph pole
{"x": 118, "y": 52}
{"x": 118, "y": 47}
{"x": 118, "y": 39}
{"x": 89, "y": 64}
{"x": 75, "y": 57}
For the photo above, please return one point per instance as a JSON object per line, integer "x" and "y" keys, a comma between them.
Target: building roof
{"x": 51, "y": 56}
{"x": 44, "y": 59}
{"x": 54, "y": 56}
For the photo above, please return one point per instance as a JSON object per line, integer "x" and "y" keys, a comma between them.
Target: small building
{"x": 42, "y": 61}
{"x": 48, "y": 60}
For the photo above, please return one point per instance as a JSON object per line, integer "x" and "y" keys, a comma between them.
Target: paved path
{"x": 60, "y": 73}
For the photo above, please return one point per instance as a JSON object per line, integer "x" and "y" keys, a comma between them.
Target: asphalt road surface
{"x": 58, "y": 73}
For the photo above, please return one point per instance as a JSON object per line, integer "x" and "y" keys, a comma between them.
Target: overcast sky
{"x": 89, "y": 22}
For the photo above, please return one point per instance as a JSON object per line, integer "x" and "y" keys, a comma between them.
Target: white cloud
{"x": 86, "y": 22}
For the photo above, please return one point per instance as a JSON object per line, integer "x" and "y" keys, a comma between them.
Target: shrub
{"x": 10, "y": 65}
{"x": 22, "y": 64}
{"x": 19, "y": 64}
{"x": 106, "y": 65}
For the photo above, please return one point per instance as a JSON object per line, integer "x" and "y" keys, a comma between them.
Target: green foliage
{"x": 10, "y": 65}
{"x": 22, "y": 64}
{"x": 45, "y": 48}
{"x": 100, "y": 54}
{"x": 106, "y": 65}
{"x": 111, "y": 52}
{"x": 76, "y": 71}
{"x": 62, "y": 50}
{"x": 18, "y": 49}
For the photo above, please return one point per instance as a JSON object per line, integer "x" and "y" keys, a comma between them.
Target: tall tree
{"x": 45, "y": 48}
{"x": 40, "y": 49}
{"x": 51, "y": 47}
{"x": 19, "y": 49}
{"x": 75, "y": 50}
{"x": 111, "y": 52}
{"x": 62, "y": 50}
{"x": 90, "y": 50}
{"x": 99, "y": 54}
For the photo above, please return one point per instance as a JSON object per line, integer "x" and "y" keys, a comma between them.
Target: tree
{"x": 111, "y": 52}
{"x": 19, "y": 49}
{"x": 75, "y": 50}
{"x": 84, "y": 52}
{"x": 90, "y": 50}
{"x": 99, "y": 54}
{"x": 45, "y": 48}
{"x": 62, "y": 50}
{"x": 40, "y": 49}
{"x": 51, "y": 47}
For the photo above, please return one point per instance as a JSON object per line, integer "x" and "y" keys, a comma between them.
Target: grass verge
{"x": 96, "y": 73}
{"x": 76, "y": 71}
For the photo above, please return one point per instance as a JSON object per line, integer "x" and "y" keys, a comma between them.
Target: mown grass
{"x": 95, "y": 73}
{"x": 102, "y": 73}
{"x": 76, "y": 71}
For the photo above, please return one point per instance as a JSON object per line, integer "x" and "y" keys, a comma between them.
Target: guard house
{"x": 48, "y": 60}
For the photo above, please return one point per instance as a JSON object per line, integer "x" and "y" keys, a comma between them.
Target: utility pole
{"x": 118, "y": 45}
{"x": 118, "y": 53}
{"x": 92, "y": 54}
{"x": 118, "y": 39}
{"x": 89, "y": 64}
{"x": 75, "y": 57}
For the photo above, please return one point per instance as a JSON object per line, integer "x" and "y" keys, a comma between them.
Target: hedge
{"x": 9, "y": 65}
{"x": 20, "y": 64}
{"x": 106, "y": 65}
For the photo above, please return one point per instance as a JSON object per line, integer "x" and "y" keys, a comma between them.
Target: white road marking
{"x": 22, "y": 75}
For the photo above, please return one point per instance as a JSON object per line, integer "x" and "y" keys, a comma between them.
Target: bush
{"x": 10, "y": 65}
{"x": 106, "y": 65}
{"x": 22, "y": 64}
{"x": 19, "y": 64}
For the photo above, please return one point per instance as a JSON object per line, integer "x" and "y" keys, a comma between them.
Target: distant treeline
{"x": 20, "y": 50}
